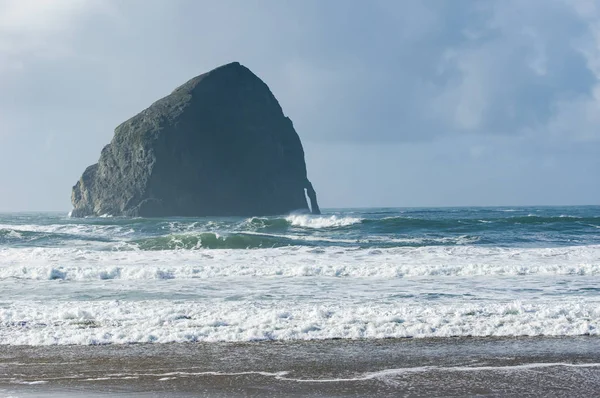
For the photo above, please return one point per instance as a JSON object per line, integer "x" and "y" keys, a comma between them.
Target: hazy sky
{"x": 397, "y": 103}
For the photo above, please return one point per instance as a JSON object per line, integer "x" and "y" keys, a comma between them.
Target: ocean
{"x": 354, "y": 302}
{"x": 347, "y": 274}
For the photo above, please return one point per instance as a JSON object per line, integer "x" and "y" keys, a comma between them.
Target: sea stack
{"x": 219, "y": 145}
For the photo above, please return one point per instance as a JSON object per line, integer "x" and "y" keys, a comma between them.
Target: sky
{"x": 397, "y": 103}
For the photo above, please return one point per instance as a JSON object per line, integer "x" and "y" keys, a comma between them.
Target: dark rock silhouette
{"x": 219, "y": 145}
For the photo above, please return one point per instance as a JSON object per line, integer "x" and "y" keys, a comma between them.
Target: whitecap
{"x": 308, "y": 221}
{"x": 151, "y": 321}
{"x": 462, "y": 260}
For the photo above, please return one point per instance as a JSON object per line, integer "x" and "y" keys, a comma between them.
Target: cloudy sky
{"x": 398, "y": 103}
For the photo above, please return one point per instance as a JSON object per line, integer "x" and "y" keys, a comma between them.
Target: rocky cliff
{"x": 219, "y": 145}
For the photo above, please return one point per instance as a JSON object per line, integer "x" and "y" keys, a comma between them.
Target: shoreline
{"x": 430, "y": 339}
{"x": 508, "y": 366}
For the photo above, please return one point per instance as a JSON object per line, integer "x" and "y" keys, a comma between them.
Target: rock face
{"x": 219, "y": 145}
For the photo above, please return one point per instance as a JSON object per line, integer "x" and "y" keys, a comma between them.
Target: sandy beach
{"x": 331, "y": 368}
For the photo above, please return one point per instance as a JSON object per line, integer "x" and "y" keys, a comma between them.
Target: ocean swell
{"x": 209, "y": 240}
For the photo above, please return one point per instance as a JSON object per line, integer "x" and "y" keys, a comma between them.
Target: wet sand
{"x": 568, "y": 367}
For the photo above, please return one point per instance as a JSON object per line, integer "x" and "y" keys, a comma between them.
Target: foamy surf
{"x": 467, "y": 261}
{"x": 357, "y": 274}
{"x": 160, "y": 321}
{"x": 308, "y": 221}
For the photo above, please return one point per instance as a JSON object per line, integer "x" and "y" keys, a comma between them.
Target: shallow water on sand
{"x": 568, "y": 367}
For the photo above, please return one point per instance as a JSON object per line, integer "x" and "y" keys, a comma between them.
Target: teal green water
{"x": 375, "y": 228}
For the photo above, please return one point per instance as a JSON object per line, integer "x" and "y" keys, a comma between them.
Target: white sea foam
{"x": 387, "y": 373}
{"x": 14, "y": 234}
{"x": 72, "y": 229}
{"x": 404, "y": 262}
{"x": 309, "y": 221}
{"x": 380, "y": 374}
{"x": 30, "y": 383}
{"x": 159, "y": 321}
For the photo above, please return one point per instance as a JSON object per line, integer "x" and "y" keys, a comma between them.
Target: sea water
{"x": 349, "y": 273}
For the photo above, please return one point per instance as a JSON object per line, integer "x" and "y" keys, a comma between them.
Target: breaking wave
{"x": 321, "y": 221}
{"x": 159, "y": 321}
{"x": 209, "y": 240}
{"x": 303, "y": 221}
{"x": 294, "y": 261}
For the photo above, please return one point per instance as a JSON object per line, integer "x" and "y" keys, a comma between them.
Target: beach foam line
{"x": 286, "y": 375}
{"x": 387, "y": 373}
{"x": 160, "y": 321}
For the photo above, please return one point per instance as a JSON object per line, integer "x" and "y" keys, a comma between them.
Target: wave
{"x": 79, "y": 230}
{"x": 210, "y": 240}
{"x": 191, "y": 239}
{"x": 294, "y": 261}
{"x": 300, "y": 221}
{"x": 376, "y": 241}
{"x": 387, "y": 224}
{"x": 303, "y": 221}
{"x": 306, "y": 221}
{"x": 267, "y": 223}
{"x": 398, "y": 224}
{"x": 19, "y": 238}
{"x": 10, "y": 234}
{"x": 262, "y": 240}
{"x": 160, "y": 321}
{"x": 296, "y": 229}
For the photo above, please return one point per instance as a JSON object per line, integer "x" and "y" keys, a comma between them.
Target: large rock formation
{"x": 219, "y": 145}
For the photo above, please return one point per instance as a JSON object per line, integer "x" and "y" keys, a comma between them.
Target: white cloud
{"x": 47, "y": 16}
{"x": 463, "y": 101}
{"x": 478, "y": 86}
{"x": 33, "y": 16}
{"x": 585, "y": 8}
{"x": 410, "y": 71}
{"x": 537, "y": 60}
{"x": 525, "y": 68}
{"x": 41, "y": 27}
{"x": 578, "y": 117}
